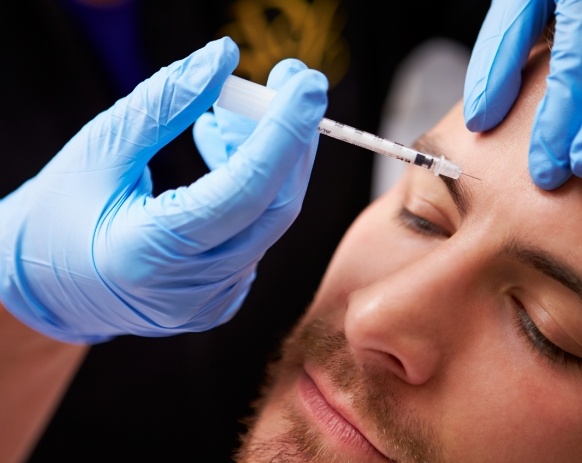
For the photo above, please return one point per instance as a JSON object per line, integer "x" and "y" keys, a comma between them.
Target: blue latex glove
{"x": 507, "y": 35}
{"x": 87, "y": 253}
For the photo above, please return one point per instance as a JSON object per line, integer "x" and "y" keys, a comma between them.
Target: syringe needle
{"x": 476, "y": 178}
{"x": 252, "y": 100}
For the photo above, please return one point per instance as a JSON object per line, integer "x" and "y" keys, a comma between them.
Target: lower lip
{"x": 332, "y": 423}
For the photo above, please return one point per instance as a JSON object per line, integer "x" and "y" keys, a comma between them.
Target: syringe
{"x": 252, "y": 100}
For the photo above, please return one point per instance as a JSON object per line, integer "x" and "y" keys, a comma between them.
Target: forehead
{"x": 499, "y": 158}
{"x": 499, "y": 155}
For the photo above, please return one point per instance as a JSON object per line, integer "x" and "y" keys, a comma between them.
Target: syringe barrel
{"x": 245, "y": 97}
{"x": 252, "y": 100}
{"x": 366, "y": 140}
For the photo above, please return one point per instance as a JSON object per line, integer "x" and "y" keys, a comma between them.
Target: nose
{"x": 411, "y": 320}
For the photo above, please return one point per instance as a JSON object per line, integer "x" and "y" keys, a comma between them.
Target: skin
{"x": 416, "y": 335}
{"x": 35, "y": 372}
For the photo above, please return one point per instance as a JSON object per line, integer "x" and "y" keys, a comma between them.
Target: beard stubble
{"x": 372, "y": 392}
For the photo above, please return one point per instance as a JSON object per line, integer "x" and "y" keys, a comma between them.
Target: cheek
{"x": 517, "y": 421}
{"x": 502, "y": 404}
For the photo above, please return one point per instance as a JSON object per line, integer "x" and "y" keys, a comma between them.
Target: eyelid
{"x": 552, "y": 327}
{"x": 538, "y": 341}
{"x": 554, "y": 309}
{"x": 421, "y": 225}
{"x": 433, "y": 206}
{"x": 429, "y": 197}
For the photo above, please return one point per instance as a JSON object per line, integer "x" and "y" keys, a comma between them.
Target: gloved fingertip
{"x": 492, "y": 83}
{"x": 227, "y": 49}
{"x": 474, "y": 120}
{"x": 549, "y": 180}
{"x": 306, "y": 88}
{"x": 301, "y": 103}
{"x": 316, "y": 86}
{"x": 544, "y": 173}
{"x": 473, "y": 110}
{"x": 283, "y": 71}
{"x": 480, "y": 114}
{"x": 208, "y": 141}
{"x": 202, "y": 126}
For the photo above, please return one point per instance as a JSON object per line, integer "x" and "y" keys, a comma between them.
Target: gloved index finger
{"x": 510, "y": 29}
{"x": 159, "y": 109}
{"x": 554, "y": 152}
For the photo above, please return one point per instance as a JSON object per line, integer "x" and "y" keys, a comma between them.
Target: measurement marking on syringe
{"x": 252, "y": 100}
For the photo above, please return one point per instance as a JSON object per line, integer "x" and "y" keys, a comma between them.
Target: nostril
{"x": 395, "y": 364}
{"x": 413, "y": 369}
{"x": 396, "y": 360}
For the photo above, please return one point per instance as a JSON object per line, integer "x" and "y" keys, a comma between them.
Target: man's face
{"x": 448, "y": 326}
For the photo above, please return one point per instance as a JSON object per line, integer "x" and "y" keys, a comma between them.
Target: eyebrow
{"x": 457, "y": 188}
{"x": 544, "y": 262}
{"x": 529, "y": 255}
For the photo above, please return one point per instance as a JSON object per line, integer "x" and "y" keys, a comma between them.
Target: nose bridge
{"x": 408, "y": 319}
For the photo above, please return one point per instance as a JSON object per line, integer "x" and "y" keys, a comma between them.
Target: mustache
{"x": 374, "y": 392}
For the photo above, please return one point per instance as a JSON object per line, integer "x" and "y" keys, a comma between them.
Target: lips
{"x": 334, "y": 424}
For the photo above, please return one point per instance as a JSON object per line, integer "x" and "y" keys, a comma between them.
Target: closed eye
{"x": 527, "y": 328}
{"x": 420, "y": 225}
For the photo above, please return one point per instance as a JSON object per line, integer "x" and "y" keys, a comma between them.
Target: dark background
{"x": 180, "y": 398}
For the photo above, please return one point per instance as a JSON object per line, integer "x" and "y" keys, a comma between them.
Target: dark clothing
{"x": 180, "y": 398}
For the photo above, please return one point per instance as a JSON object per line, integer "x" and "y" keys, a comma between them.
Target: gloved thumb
{"x": 493, "y": 78}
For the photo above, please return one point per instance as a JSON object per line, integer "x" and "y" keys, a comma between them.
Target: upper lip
{"x": 341, "y": 407}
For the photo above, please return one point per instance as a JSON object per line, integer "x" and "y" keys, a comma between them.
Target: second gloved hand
{"x": 87, "y": 253}
{"x": 493, "y": 81}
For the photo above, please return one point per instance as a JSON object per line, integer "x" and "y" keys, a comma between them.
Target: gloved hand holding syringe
{"x": 89, "y": 252}
{"x": 251, "y": 100}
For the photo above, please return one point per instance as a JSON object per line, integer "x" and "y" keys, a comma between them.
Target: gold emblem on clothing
{"x": 268, "y": 31}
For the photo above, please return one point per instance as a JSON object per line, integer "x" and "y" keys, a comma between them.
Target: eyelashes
{"x": 524, "y": 325}
{"x": 530, "y": 332}
{"x": 420, "y": 225}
